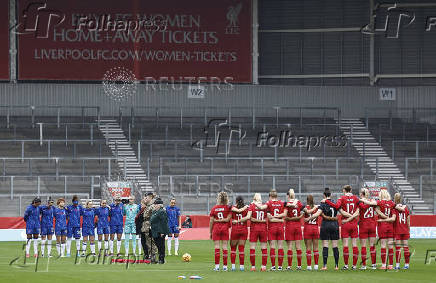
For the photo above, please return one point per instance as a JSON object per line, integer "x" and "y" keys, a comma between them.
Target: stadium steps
{"x": 375, "y": 155}
{"x": 126, "y": 157}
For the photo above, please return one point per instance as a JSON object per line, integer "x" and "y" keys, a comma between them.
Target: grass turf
{"x": 68, "y": 270}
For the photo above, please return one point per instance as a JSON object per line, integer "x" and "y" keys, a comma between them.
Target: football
{"x": 186, "y": 257}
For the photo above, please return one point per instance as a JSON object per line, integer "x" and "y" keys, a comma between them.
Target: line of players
{"x": 68, "y": 225}
{"x": 276, "y": 221}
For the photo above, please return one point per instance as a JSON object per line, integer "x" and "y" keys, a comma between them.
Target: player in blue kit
{"x": 74, "y": 212}
{"x": 60, "y": 215}
{"x": 33, "y": 225}
{"x": 88, "y": 226}
{"x": 116, "y": 225}
{"x": 174, "y": 222}
{"x": 47, "y": 231}
{"x": 102, "y": 214}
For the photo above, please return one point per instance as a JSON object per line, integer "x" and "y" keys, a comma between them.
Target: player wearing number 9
{"x": 219, "y": 228}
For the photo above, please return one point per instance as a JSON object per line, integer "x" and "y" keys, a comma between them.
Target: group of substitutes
{"x": 276, "y": 221}
{"x": 150, "y": 220}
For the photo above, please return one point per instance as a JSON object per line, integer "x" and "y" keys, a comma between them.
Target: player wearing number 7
{"x": 348, "y": 205}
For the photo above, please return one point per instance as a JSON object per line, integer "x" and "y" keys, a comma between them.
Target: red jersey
{"x": 238, "y": 216}
{"x": 220, "y": 212}
{"x": 307, "y": 215}
{"x": 258, "y": 214}
{"x": 275, "y": 208}
{"x": 367, "y": 214}
{"x": 400, "y": 224}
{"x": 387, "y": 208}
{"x": 294, "y": 212}
{"x": 348, "y": 203}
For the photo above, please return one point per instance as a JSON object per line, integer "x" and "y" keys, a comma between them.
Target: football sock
{"x": 290, "y": 257}
{"x": 43, "y": 247}
{"x": 99, "y": 245}
{"x": 299, "y": 256}
{"x": 345, "y": 254}
{"x": 325, "y": 255}
{"x": 126, "y": 243}
{"x": 176, "y": 244}
{"x": 233, "y": 254}
{"x": 241, "y": 254}
{"x": 111, "y": 246}
{"x": 316, "y": 256}
{"x": 363, "y": 253}
{"x": 92, "y": 245}
{"x": 217, "y": 256}
{"x": 133, "y": 243}
{"x": 35, "y": 246}
{"x": 336, "y": 255}
{"x": 264, "y": 257}
{"x": 383, "y": 255}
{"x": 83, "y": 247}
{"x": 28, "y": 243}
{"x": 373, "y": 253}
{"x": 68, "y": 245}
{"x": 281, "y": 255}
{"x": 309, "y": 257}
{"x": 106, "y": 245}
{"x": 224, "y": 257}
{"x": 118, "y": 247}
{"x": 391, "y": 256}
{"x": 139, "y": 246}
{"x": 78, "y": 245}
{"x": 406, "y": 255}
{"x": 355, "y": 255}
{"x": 397, "y": 254}
{"x": 169, "y": 244}
{"x": 272, "y": 255}
{"x": 48, "y": 247}
{"x": 253, "y": 257}
{"x": 58, "y": 248}
{"x": 63, "y": 249}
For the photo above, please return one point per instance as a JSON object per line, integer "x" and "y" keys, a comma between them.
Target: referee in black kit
{"x": 329, "y": 229}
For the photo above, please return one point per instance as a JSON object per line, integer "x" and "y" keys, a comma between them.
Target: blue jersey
{"x": 47, "y": 213}
{"x": 73, "y": 215}
{"x": 173, "y": 213}
{"x": 60, "y": 214}
{"x": 31, "y": 216}
{"x": 88, "y": 217}
{"x": 116, "y": 214}
{"x": 103, "y": 216}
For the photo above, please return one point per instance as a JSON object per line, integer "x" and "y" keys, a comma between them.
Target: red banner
{"x": 179, "y": 40}
{"x": 4, "y": 40}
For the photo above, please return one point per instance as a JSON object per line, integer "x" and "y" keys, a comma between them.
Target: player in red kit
{"x": 348, "y": 204}
{"x": 275, "y": 214}
{"x": 293, "y": 233}
{"x": 219, "y": 228}
{"x": 402, "y": 232}
{"x": 311, "y": 233}
{"x": 385, "y": 209}
{"x": 238, "y": 237}
{"x": 367, "y": 229}
{"x": 258, "y": 232}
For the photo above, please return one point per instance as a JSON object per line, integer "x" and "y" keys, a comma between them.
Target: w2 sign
{"x": 195, "y": 91}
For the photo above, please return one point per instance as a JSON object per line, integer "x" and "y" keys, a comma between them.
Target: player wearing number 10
{"x": 258, "y": 232}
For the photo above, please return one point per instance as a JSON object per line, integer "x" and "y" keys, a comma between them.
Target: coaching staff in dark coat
{"x": 159, "y": 227}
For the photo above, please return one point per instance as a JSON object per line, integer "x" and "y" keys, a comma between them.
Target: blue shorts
{"x": 130, "y": 228}
{"x": 61, "y": 231}
{"x": 174, "y": 230}
{"x": 47, "y": 230}
{"x": 32, "y": 230}
{"x": 88, "y": 231}
{"x": 102, "y": 230}
{"x": 116, "y": 229}
{"x": 73, "y": 232}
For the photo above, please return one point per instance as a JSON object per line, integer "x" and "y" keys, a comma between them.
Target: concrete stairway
{"x": 126, "y": 157}
{"x": 376, "y": 157}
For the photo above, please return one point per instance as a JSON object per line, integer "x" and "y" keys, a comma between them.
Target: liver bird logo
{"x": 233, "y": 15}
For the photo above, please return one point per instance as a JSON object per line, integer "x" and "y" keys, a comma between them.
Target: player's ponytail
{"x": 384, "y": 195}
{"x": 257, "y": 198}
{"x": 364, "y": 192}
{"x": 397, "y": 198}
{"x": 310, "y": 201}
{"x": 291, "y": 194}
{"x": 327, "y": 192}
{"x": 222, "y": 198}
{"x": 240, "y": 202}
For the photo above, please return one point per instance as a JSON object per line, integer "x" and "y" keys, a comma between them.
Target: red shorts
{"x": 275, "y": 233}
{"x": 258, "y": 235}
{"x": 239, "y": 233}
{"x": 311, "y": 232}
{"x": 293, "y": 232}
{"x": 349, "y": 230}
{"x": 367, "y": 231}
{"x": 402, "y": 236}
{"x": 220, "y": 234}
{"x": 385, "y": 231}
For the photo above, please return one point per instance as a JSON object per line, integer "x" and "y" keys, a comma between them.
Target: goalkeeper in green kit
{"x": 130, "y": 210}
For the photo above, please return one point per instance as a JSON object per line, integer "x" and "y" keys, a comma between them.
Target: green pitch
{"x": 69, "y": 270}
